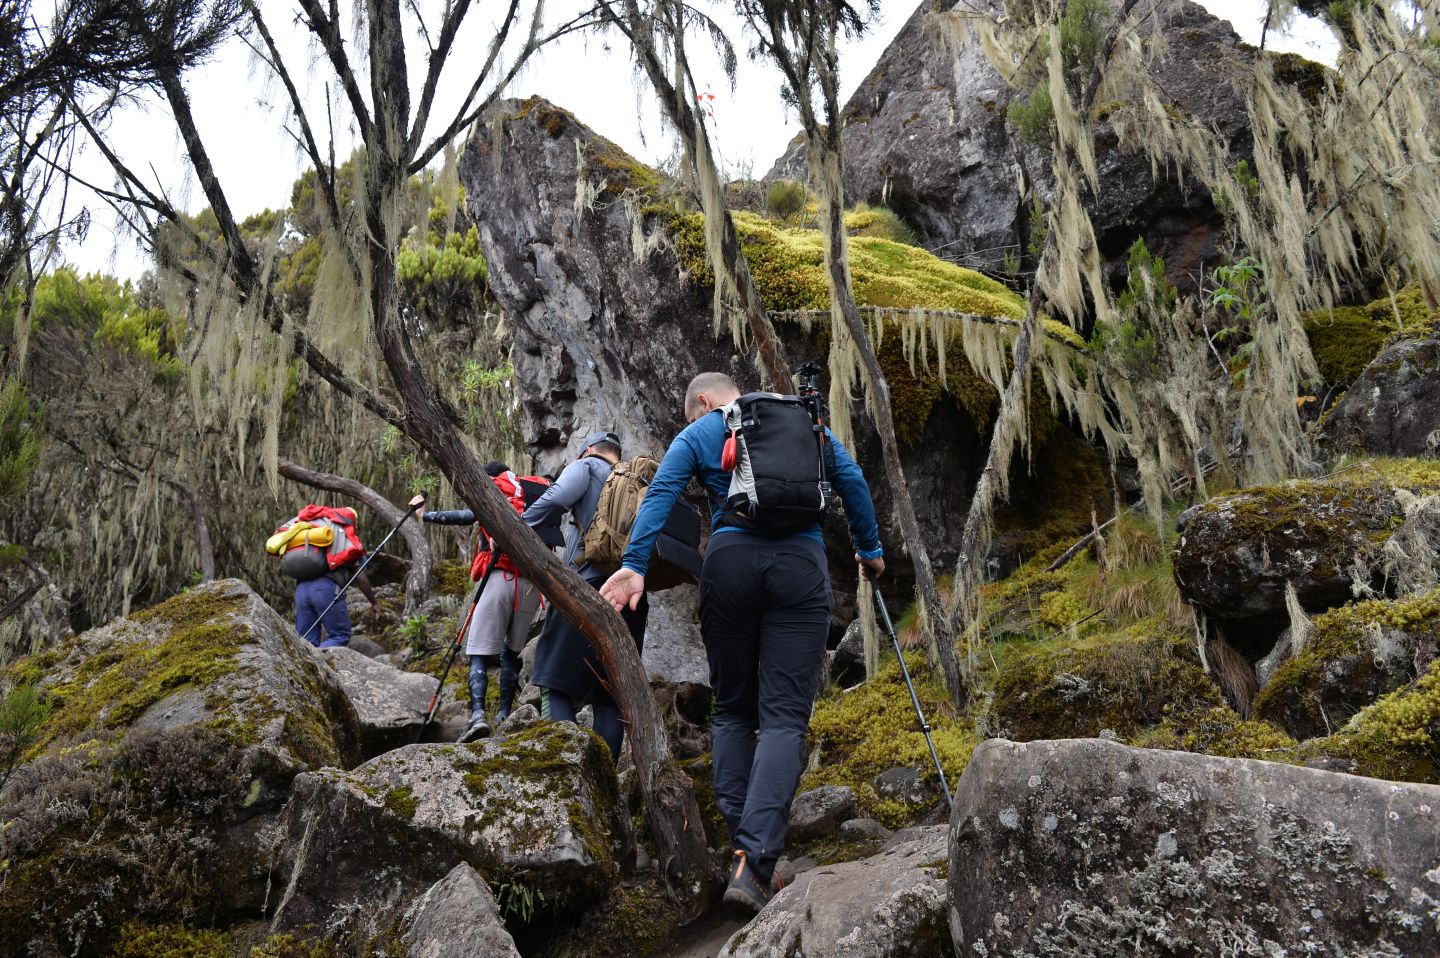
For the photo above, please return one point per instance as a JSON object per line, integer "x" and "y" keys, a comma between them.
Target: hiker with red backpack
{"x": 769, "y": 465}
{"x": 504, "y": 608}
{"x": 321, "y": 550}
{"x": 567, "y": 669}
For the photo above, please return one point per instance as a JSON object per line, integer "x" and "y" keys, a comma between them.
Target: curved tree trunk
{"x": 669, "y": 796}
{"x": 422, "y": 562}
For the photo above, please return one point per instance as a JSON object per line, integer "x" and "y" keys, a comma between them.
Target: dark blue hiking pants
{"x": 764, "y": 616}
{"x": 311, "y": 598}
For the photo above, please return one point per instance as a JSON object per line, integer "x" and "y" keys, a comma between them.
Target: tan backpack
{"x": 603, "y": 545}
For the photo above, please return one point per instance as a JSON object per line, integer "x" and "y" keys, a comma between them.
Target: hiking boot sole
{"x": 473, "y": 734}
{"x": 742, "y": 897}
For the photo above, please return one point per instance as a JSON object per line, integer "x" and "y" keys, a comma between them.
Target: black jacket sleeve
{"x": 455, "y": 517}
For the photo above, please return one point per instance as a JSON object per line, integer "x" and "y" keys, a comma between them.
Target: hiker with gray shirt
{"x": 567, "y": 669}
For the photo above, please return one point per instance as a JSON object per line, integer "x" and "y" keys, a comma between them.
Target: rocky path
{"x": 705, "y": 937}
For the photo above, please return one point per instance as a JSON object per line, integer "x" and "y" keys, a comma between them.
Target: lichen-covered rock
{"x": 1185, "y": 855}
{"x": 1393, "y": 409}
{"x": 1355, "y": 655}
{"x": 1237, "y": 553}
{"x": 926, "y": 135}
{"x": 537, "y": 808}
{"x": 161, "y": 770}
{"x": 457, "y": 918}
{"x": 891, "y": 905}
{"x": 847, "y": 660}
{"x": 904, "y": 784}
{"x": 391, "y": 704}
{"x": 819, "y": 812}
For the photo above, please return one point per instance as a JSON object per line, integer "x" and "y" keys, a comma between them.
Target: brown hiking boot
{"x": 744, "y": 888}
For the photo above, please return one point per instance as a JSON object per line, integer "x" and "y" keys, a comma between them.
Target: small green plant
{"x": 414, "y": 631}
{"x": 1132, "y": 344}
{"x": 518, "y": 900}
{"x": 22, "y": 714}
{"x": 1241, "y": 297}
{"x": 785, "y": 198}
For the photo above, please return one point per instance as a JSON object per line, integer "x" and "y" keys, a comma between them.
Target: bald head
{"x": 709, "y": 391}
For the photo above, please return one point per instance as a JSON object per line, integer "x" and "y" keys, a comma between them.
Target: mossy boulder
{"x": 1180, "y": 853}
{"x": 536, "y": 812}
{"x": 1238, "y": 553}
{"x": 1356, "y": 654}
{"x": 1393, "y": 408}
{"x": 216, "y": 656}
{"x": 1398, "y": 737}
{"x": 1120, "y": 683}
{"x": 169, "y": 751}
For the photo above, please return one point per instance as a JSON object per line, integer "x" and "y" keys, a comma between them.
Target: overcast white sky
{"x": 258, "y": 163}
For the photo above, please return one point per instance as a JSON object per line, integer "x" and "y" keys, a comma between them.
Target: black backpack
{"x": 775, "y": 455}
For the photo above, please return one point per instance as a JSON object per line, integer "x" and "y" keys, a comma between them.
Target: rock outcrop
{"x": 819, "y": 812}
{"x": 457, "y": 918}
{"x": 537, "y": 809}
{"x": 161, "y": 770}
{"x": 610, "y": 323}
{"x": 926, "y": 135}
{"x": 891, "y": 905}
{"x": 1185, "y": 855}
{"x": 1393, "y": 409}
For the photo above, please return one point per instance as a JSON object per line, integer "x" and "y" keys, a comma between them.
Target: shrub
{"x": 785, "y": 198}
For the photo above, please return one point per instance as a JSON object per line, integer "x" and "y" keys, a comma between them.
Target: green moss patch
{"x": 1397, "y": 738}
{"x": 1347, "y": 339}
{"x": 870, "y": 729}
{"x": 118, "y": 684}
{"x": 171, "y": 941}
{"x": 452, "y": 577}
{"x": 788, "y": 264}
{"x": 1122, "y": 683}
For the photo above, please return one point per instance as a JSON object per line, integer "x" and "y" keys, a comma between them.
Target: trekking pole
{"x": 914, "y": 699}
{"x": 454, "y": 651}
{"x": 364, "y": 562}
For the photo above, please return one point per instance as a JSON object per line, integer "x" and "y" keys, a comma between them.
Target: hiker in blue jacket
{"x": 765, "y": 607}
{"x": 567, "y": 669}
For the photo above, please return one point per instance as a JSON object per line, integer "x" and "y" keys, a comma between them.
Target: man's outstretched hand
{"x": 624, "y": 588}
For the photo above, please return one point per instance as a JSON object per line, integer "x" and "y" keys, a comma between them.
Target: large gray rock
{"x": 538, "y": 807}
{"x": 391, "y": 704}
{"x": 1237, "y": 553}
{"x": 1393, "y": 409}
{"x": 891, "y": 905}
{"x": 163, "y": 769}
{"x": 673, "y": 652}
{"x": 1088, "y": 848}
{"x": 457, "y": 918}
{"x": 926, "y": 135}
